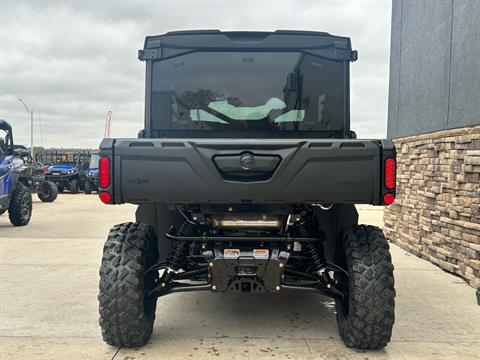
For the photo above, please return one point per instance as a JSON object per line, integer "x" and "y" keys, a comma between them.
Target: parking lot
{"x": 49, "y": 282}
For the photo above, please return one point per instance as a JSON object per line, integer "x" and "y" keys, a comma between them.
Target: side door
{"x": 6, "y": 180}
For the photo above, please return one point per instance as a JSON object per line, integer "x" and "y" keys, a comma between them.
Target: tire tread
{"x": 15, "y": 209}
{"x": 126, "y": 257}
{"x": 371, "y": 316}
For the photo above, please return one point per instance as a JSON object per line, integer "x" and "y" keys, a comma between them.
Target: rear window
{"x": 248, "y": 92}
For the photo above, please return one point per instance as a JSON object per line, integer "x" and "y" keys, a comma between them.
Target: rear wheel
{"x": 20, "y": 209}
{"x": 74, "y": 186}
{"x": 127, "y": 314}
{"x": 48, "y": 192}
{"x": 365, "y": 317}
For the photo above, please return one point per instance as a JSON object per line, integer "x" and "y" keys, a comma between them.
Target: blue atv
{"x": 67, "y": 169}
{"x": 91, "y": 182}
{"x": 14, "y": 196}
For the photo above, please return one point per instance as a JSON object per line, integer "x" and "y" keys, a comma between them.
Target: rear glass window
{"x": 248, "y": 91}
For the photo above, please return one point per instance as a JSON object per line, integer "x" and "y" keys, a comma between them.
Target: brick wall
{"x": 437, "y": 211}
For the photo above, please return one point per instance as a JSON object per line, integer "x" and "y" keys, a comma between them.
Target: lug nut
{"x": 277, "y": 288}
{"x": 281, "y": 265}
{"x": 210, "y": 264}
{"x": 214, "y": 287}
{"x": 329, "y": 286}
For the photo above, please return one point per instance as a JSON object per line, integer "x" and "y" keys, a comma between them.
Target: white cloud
{"x": 73, "y": 61}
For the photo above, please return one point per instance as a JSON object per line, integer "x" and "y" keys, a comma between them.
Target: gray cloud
{"x": 72, "y": 61}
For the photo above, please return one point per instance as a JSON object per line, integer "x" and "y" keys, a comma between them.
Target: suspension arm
{"x": 332, "y": 292}
{"x": 174, "y": 287}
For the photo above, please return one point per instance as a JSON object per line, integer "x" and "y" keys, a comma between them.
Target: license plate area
{"x": 247, "y": 270}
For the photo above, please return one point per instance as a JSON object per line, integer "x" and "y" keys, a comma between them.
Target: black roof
{"x": 4, "y": 125}
{"x": 179, "y": 42}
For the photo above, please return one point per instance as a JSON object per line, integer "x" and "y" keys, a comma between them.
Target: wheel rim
{"x": 26, "y": 206}
{"x": 46, "y": 191}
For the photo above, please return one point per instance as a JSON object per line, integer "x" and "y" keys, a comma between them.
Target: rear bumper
{"x": 185, "y": 171}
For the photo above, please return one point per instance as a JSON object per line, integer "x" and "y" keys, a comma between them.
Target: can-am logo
{"x": 247, "y": 161}
{"x": 137, "y": 181}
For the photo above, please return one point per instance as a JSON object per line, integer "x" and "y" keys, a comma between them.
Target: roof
{"x": 180, "y": 42}
{"x": 4, "y": 125}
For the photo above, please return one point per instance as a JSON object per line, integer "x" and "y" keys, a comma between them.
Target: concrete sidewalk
{"x": 48, "y": 305}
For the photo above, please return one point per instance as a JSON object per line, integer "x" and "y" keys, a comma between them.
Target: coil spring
{"x": 179, "y": 247}
{"x": 313, "y": 249}
{"x": 306, "y": 229}
{"x": 187, "y": 228}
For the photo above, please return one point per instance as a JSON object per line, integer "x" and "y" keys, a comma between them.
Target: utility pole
{"x": 30, "y": 114}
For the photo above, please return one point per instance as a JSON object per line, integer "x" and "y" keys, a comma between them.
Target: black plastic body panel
{"x": 180, "y": 42}
{"x": 310, "y": 171}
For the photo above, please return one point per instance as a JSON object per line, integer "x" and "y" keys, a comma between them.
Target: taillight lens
{"x": 105, "y": 197}
{"x": 390, "y": 173}
{"x": 104, "y": 172}
{"x": 388, "y": 198}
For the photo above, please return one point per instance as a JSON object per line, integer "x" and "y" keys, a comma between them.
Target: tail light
{"x": 389, "y": 180}
{"x": 388, "y": 198}
{"x": 390, "y": 173}
{"x": 105, "y": 197}
{"x": 104, "y": 172}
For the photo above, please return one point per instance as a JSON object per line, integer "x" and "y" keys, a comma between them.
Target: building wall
{"x": 433, "y": 118}
{"x": 434, "y": 66}
{"x": 437, "y": 211}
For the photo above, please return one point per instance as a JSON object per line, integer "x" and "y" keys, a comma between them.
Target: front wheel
{"x": 127, "y": 312}
{"x": 20, "y": 209}
{"x": 74, "y": 186}
{"x": 365, "y": 317}
{"x": 88, "y": 187}
{"x": 48, "y": 192}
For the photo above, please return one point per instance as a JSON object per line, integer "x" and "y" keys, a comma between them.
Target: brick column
{"x": 437, "y": 211}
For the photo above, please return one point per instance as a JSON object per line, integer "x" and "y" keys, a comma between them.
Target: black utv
{"x": 246, "y": 177}
{"x": 33, "y": 176}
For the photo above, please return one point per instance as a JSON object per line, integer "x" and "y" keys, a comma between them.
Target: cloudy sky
{"x": 72, "y": 61}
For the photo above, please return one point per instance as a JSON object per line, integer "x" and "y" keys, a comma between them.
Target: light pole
{"x": 30, "y": 113}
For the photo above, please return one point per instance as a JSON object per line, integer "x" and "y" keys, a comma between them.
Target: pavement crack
{"x": 308, "y": 347}
{"x": 116, "y": 352}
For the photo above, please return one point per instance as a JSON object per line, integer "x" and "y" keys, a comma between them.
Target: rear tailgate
{"x": 246, "y": 170}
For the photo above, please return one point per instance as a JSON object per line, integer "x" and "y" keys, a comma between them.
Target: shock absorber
{"x": 306, "y": 228}
{"x": 178, "y": 251}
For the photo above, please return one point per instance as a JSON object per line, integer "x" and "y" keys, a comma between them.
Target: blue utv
{"x": 14, "y": 196}
{"x": 67, "y": 169}
{"x": 91, "y": 181}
